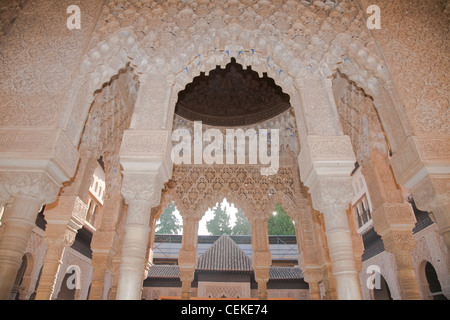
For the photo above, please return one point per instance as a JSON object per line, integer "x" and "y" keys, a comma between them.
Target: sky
{"x": 231, "y": 210}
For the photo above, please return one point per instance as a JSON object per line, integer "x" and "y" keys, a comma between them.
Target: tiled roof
{"x": 224, "y": 255}
{"x": 173, "y": 272}
{"x": 285, "y": 273}
{"x": 164, "y": 272}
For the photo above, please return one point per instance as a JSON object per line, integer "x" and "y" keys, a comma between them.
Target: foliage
{"x": 220, "y": 224}
{"x": 280, "y": 224}
{"x": 242, "y": 225}
{"x": 168, "y": 222}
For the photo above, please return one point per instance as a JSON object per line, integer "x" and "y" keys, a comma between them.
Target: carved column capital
{"x": 142, "y": 186}
{"x": 331, "y": 192}
{"x": 325, "y": 166}
{"x": 262, "y": 275}
{"x": 60, "y": 237}
{"x": 393, "y": 217}
{"x": 312, "y": 273}
{"x": 113, "y": 174}
{"x": 36, "y": 185}
{"x": 398, "y": 242}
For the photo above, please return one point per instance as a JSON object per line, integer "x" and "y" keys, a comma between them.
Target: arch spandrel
{"x": 146, "y": 36}
{"x": 195, "y": 188}
{"x": 284, "y": 54}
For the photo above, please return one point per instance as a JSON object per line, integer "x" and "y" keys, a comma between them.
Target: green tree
{"x": 168, "y": 222}
{"x": 220, "y": 224}
{"x": 280, "y": 224}
{"x": 242, "y": 226}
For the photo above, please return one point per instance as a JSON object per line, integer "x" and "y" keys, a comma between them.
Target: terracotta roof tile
{"x": 224, "y": 254}
{"x": 285, "y": 273}
{"x": 164, "y": 271}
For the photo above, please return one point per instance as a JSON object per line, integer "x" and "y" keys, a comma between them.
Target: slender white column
{"x": 340, "y": 247}
{"x": 145, "y": 159}
{"x": 16, "y": 233}
{"x": 29, "y": 191}
{"x": 261, "y": 257}
{"x": 134, "y": 249}
{"x": 141, "y": 191}
{"x": 64, "y": 218}
{"x": 187, "y": 259}
{"x": 325, "y": 166}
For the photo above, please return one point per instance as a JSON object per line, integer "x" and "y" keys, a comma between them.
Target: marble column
{"x": 115, "y": 266}
{"x": 313, "y": 276}
{"x": 261, "y": 256}
{"x": 325, "y": 166}
{"x": 357, "y": 241}
{"x": 394, "y": 223}
{"x": 341, "y": 253}
{"x": 393, "y": 219}
{"x": 17, "y": 228}
{"x": 145, "y": 159}
{"x": 105, "y": 241}
{"x": 142, "y": 192}
{"x": 134, "y": 249}
{"x": 29, "y": 192}
{"x": 187, "y": 258}
{"x": 326, "y": 161}
{"x": 64, "y": 218}
{"x": 310, "y": 257}
{"x": 422, "y": 165}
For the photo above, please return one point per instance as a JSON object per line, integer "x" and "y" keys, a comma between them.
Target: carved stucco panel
{"x": 413, "y": 48}
{"x": 34, "y": 184}
{"x": 36, "y": 69}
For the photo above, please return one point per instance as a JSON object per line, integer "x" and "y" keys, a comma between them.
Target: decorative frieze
{"x": 29, "y": 184}
{"x": 56, "y": 154}
{"x": 420, "y": 156}
{"x": 152, "y": 143}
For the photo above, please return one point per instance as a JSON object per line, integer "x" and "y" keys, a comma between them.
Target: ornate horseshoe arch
{"x": 286, "y": 52}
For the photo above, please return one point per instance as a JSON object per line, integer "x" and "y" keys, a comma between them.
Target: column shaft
{"x": 341, "y": 253}
{"x": 393, "y": 219}
{"x": 262, "y": 259}
{"x": 64, "y": 218}
{"x": 187, "y": 258}
{"x": 314, "y": 290}
{"x": 134, "y": 250}
{"x": 50, "y": 270}
{"x": 17, "y": 228}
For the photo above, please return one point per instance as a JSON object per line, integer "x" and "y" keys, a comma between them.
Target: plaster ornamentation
{"x": 49, "y": 77}
{"x": 153, "y": 143}
{"x": 194, "y": 187}
{"x": 30, "y": 184}
{"x": 142, "y": 187}
{"x": 66, "y": 208}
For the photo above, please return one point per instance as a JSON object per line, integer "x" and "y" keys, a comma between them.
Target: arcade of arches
{"x": 104, "y": 100}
